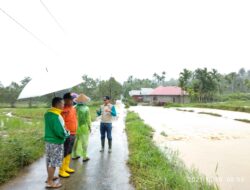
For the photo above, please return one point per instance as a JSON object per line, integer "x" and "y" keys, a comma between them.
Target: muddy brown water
{"x": 219, "y": 147}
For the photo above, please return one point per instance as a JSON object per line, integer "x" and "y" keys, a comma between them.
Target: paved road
{"x": 103, "y": 172}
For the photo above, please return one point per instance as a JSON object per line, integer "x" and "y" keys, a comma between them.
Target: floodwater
{"x": 219, "y": 147}
{"x": 104, "y": 171}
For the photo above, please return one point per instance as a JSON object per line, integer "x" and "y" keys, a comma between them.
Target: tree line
{"x": 205, "y": 86}
{"x": 202, "y": 85}
{"x": 93, "y": 88}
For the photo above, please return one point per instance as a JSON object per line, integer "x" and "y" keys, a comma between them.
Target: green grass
{"x": 241, "y": 106}
{"x": 21, "y": 143}
{"x": 243, "y": 120}
{"x": 209, "y": 113}
{"x": 38, "y": 113}
{"x": 151, "y": 168}
{"x": 93, "y": 111}
{"x": 24, "y": 105}
{"x": 28, "y": 113}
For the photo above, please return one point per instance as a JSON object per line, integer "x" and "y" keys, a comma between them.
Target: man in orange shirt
{"x": 70, "y": 119}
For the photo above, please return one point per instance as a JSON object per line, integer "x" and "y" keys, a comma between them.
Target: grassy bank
{"x": 242, "y": 106}
{"x": 152, "y": 169}
{"x": 21, "y": 143}
{"x": 21, "y": 138}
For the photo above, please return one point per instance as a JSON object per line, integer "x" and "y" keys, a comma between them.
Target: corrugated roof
{"x": 134, "y": 93}
{"x": 146, "y": 91}
{"x": 143, "y": 91}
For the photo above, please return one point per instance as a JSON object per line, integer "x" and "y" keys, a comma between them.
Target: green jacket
{"x": 84, "y": 118}
{"x": 54, "y": 127}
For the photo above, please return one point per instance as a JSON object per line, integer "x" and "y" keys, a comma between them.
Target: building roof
{"x": 168, "y": 91}
{"x": 146, "y": 91}
{"x": 142, "y": 92}
{"x": 134, "y": 93}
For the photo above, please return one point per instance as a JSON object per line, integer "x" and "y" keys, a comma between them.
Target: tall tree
{"x": 88, "y": 87}
{"x": 110, "y": 88}
{"x": 231, "y": 79}
{"x": 25, "y": 81}
{"x": 160, "y": 79}
{"x": 242, "y": 72}
{"x": 11, "y": 93}
{"x": 205, "y": 84}
{"x": 184, "y": 79}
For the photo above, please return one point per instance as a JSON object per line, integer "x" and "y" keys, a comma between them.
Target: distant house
{"x": 140, "y": 95}
{"x": 169, "y": 94}
{"x": 136, "y": 95}
{"x": 160, "y": 95}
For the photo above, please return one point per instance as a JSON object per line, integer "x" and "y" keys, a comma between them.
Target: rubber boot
{"x": 67, "y": 164}
{"x": 62, "y": 170}
{"x": 103, "y": 145}
{"x": 110, "y": 146}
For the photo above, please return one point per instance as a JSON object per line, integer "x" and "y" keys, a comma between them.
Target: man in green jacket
{"x": 55, "y": 135}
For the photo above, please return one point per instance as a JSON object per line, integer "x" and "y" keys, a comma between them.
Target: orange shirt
{"x": 70, "y": 119}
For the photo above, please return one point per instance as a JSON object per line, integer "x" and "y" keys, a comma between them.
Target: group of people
{"x": 67, "y": 129}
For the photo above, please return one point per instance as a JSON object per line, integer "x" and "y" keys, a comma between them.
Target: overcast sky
{"x": 122, "y": 38}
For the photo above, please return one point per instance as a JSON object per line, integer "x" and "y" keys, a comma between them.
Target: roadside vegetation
{"x": 151, "y": 168}
{"x": 21, "y": 143}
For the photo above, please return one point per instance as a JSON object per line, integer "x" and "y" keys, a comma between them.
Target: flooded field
{"x": 217, "y": 146}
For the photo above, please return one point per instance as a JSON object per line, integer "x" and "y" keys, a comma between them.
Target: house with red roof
{"x": 168, "y": 94}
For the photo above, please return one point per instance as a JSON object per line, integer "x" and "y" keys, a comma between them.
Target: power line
{"x": 52, "y": 16}
{"x": 23, "y": 27}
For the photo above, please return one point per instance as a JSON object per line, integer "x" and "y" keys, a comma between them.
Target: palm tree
{"x": 184, "y": 79}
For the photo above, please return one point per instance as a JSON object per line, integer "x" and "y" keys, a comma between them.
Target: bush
{"x": 130, "y": 102}
{"x": 127, "y": 105}
{"x": 234, "y": 96}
